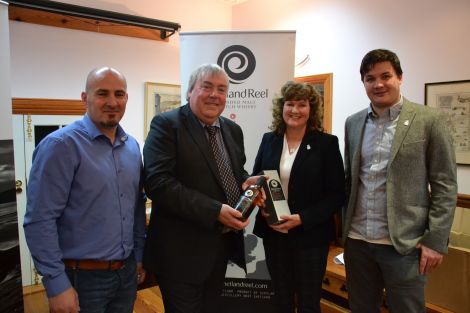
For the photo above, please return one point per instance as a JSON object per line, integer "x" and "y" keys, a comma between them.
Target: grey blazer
{"x": 421, "y": 178}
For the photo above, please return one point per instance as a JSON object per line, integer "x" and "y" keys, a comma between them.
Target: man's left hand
{"x": 430, "y": 259}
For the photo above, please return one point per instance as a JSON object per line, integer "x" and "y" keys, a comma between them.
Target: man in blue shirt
{"x": 85, "y": 217}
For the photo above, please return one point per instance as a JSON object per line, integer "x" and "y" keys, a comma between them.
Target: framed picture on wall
{"x": 453, "y": 98}
{"x": 159, "y": 98}
{"x": 324, "y": 84}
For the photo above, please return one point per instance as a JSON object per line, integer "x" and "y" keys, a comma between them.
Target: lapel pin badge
{"x": 406, "y": 123}
{"x": 308, "y": 147}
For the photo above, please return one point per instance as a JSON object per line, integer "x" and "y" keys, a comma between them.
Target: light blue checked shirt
{"x": 369, "y": 221}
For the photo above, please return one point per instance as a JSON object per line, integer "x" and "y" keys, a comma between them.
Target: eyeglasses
{"x": 209, "y": 88}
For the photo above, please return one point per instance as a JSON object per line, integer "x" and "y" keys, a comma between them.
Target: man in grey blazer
{"x": 402, "y": 191}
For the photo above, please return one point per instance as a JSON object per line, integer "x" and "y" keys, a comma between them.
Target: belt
{"x": 94, "y": 265}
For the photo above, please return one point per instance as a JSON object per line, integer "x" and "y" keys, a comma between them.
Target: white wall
{"x": 50, "y": 62}
{"x": 431, "y": 37}
{"x": 5, "y": 99}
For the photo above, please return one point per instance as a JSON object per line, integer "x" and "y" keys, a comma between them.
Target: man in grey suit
{"x": 402, "y": 191}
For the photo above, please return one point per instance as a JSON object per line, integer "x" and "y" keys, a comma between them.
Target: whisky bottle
{"x": 246, "y": 203}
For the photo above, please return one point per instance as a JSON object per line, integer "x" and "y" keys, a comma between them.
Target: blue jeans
{"x": 106, "y": 291}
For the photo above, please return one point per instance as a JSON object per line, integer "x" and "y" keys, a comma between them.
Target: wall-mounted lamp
{"x": 166, "y": 28}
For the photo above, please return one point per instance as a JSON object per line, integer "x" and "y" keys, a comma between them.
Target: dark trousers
{"x": 187, "y": 297}
{"x": 106, "y": 291}
{"x": 295, "y": 272}
{"x": 372, "y": 267}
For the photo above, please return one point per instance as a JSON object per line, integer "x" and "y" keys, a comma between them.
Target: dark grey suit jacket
{"x": 183, "y": 182}
{"x": 421, "y": 178}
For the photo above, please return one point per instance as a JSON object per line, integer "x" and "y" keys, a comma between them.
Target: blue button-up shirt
{"x": 370, "y": 215}
{"x": 85, "y": 200}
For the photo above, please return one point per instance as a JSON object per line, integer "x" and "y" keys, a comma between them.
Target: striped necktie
{"x": 229, "y": 184}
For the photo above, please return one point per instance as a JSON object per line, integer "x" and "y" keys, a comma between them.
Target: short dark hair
{"x": 377, "y": 56}
{"x": 297, "y": 91}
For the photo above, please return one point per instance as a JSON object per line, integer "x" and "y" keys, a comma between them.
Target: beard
{"x": 110, "y": 123}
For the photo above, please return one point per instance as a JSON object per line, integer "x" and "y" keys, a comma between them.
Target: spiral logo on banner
{"x": 243, "y": 68}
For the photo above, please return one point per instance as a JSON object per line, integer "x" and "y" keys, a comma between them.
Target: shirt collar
{"x": 94, "y": 132}
{"x": 216, "y": 123}
{"x": 392, "y": 112}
